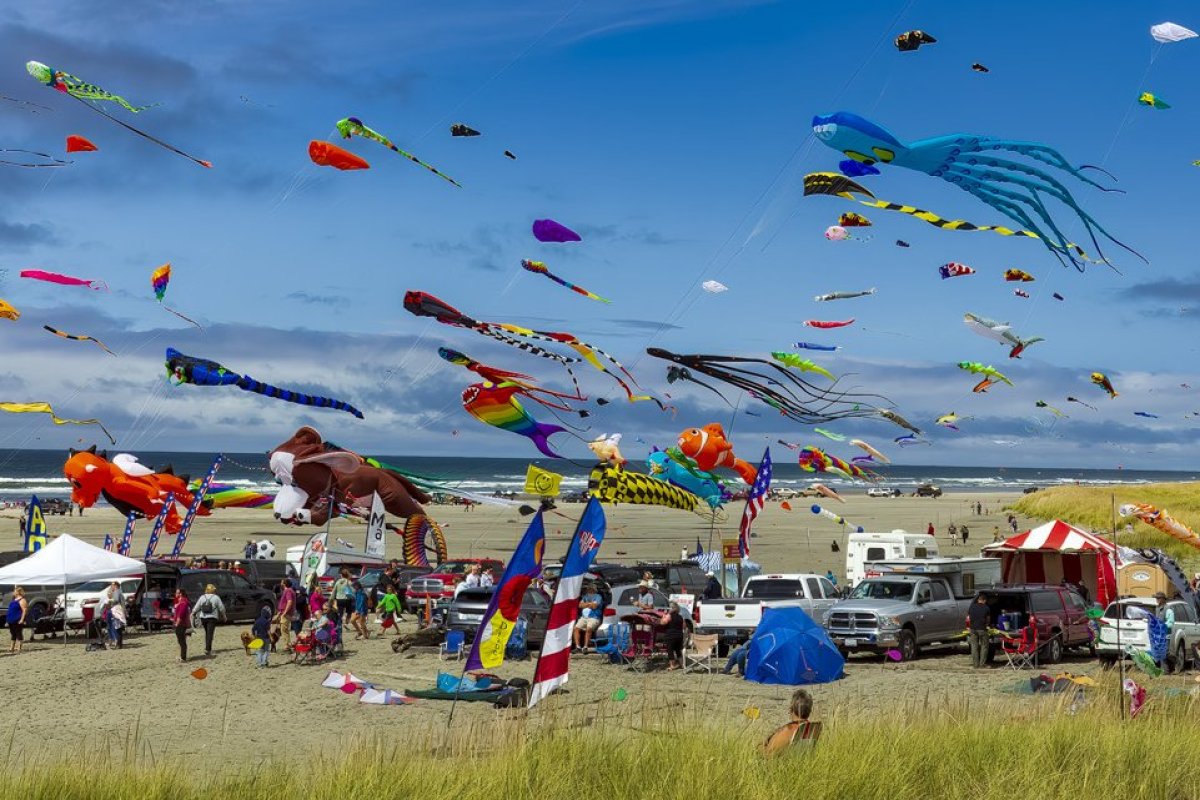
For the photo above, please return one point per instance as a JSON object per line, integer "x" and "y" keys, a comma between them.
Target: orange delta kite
{"x": 325, "y": 154}
{"x": 79, "y": 144}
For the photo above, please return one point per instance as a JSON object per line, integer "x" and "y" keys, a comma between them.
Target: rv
{"x": 864, "y": 547}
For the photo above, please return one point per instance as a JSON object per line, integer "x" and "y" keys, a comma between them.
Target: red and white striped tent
{"x": 1056, "y": 551}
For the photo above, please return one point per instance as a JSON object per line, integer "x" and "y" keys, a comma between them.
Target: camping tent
{"x": 788, "y": 647}
{"x": 67, "y": 561}
{"x": 1055, "y": 552}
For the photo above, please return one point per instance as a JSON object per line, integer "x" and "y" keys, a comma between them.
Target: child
{"x": 262, "y": 631}
{"x": 358, "y": 620}
{"x": 389, "y": 607}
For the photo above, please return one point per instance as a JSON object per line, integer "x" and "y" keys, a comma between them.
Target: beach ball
{"x": 264, "y": 549}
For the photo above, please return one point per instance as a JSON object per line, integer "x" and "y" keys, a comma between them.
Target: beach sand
{"x": 60, "y": 698}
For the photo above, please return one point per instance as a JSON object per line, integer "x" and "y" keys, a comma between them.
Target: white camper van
{"x": 864, "y": 547}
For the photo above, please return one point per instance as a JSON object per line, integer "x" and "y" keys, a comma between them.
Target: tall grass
{"x": 1092, "y": 507}
{"x": 1024, "y": 746}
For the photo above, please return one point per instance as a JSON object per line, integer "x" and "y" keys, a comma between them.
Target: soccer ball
{"x": 264, "y": 549}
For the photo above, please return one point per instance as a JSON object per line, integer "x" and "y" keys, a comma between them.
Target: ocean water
{"x": 26, "y": 472}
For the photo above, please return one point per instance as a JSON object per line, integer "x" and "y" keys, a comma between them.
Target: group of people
{"x": 202, "y": 562}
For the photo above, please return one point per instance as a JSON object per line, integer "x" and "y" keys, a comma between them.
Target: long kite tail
{"x": 424, "y": 164}
{"x": 75, "y": 338}
{"x": 248, "y": 384}
{"x": 182, "y": 317}
{"x": 143, "y": 134}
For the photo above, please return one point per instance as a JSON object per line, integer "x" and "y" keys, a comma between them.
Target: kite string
{"x": 1155, "y": 49}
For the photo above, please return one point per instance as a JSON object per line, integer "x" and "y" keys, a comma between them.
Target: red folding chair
{"x": 1021, "y": 650}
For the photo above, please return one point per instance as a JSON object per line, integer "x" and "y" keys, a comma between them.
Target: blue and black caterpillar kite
{"x": 202, "y": 372}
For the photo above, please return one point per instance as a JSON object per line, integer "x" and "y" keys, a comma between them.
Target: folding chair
{"x": 805, "y": 737}
{"x": 642, "y": 639}
{"x": 699, "y": 654}
{"x": 452, "y": 647}
{"x": 1021, "y": 650}
{"x": 619, "y": 647}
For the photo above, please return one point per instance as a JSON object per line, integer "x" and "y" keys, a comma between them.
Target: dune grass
{"x": 929, "y": 747}
{"x": 1092, "y": 507}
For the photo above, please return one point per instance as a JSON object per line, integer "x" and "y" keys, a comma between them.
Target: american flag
{"x": 754, "y": 502}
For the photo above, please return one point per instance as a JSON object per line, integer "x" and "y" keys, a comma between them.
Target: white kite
{"x": 1167, "y": 32}
{"x": 1000, "y": 332}
{"x": 714, "y": 287}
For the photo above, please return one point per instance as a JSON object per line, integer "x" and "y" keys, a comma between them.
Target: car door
{"x": 812, "y": 595}
{"x": 1078, "y": 630}
{"x": 829, "y": 596}
{"x": 234, "y": 600}
{"x": 944, "y": 610}
{"x": 536, "y": 608}
{"x": 249, "y": 593}
{"x": 1186, "y": 626}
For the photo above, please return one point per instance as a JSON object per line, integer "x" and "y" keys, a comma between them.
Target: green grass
{"x": 928, "y": 747}
{"x": 1092, "y": 507}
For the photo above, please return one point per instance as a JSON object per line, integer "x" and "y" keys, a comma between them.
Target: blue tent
{"x": 788, "y": 647}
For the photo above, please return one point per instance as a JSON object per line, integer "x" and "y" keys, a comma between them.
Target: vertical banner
{"x": 374, "y": 545}
{"x": 197, "y": 499}
{"x": 314, "y": 551}
{"x": 554, "y": 660}
{"x": 108, "y": 542}
{"x": 35, "y": 527}
{"x": 127, "y": 537}
{"x": 487, "y": 652}
{"x": 152, "y": 545}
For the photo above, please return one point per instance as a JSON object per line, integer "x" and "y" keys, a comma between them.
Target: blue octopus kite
{"x": 967, "y": 162}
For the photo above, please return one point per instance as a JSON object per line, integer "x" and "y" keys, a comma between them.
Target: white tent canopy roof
{"x": 67, "y": 560}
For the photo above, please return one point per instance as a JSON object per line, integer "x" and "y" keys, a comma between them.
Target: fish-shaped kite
{"x": 954, "y": 270}
{"x": 817, "y": 323}
{"x": 824, "y": 298}
{"x": 496, "y": 375}
{"x": 1145, "y": 414}
{"x": 495, "y": 404}
{"x": 1000, "y": 332}
{"x": 63, "y": 280}
{"x": 802, "y": 364}
{"x": 75, "y": 338}
{"x": 1050, "y": 408}
{"x": 911, "y": 40}
{"x": 459, "y": 129}
{"x": 814, "y": 346}
{"x": 540, "y": 268}
{"x": 1021, "y": 294}
{"x": 831, "y": 435}
{"x": 870, "y": 451}
{"x": 856, "y": 169}
{"x": 1085, "y": 405}
{"x": 910, "y": 440}
{"x": 80, "y": 144}
{"x": 1101, "y": 380}
{"x": 714, "y": 287}
{"x": 1153, "y": 101}
{"x": 852, "y": 220}
{"x": 8, "y": 312}
{"x": 950, "y": 420}
{"x": 979, "y": 67}
{"x": 353, "y": 126}
{"x": 1017, "y": 275}
{"x": 892, "y": 416}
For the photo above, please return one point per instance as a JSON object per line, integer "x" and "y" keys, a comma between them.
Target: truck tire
{"x": 907, "y": 645}
{"x": 1052, "y": 653}
{"x": 1180, "y": 658}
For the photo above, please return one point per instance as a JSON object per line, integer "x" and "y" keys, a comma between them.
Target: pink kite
{"x": 817, "y": 323}
{"x": 63, "y": 280}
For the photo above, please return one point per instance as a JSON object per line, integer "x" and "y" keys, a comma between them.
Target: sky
{"x": 674, "y": 136}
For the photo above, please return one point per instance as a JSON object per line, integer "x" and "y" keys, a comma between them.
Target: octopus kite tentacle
{"x": 1048, "y": 155}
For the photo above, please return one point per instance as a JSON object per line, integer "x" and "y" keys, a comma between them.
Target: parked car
{"x": 468, "y": 607}
{"x": 624, "y": 603}
{"x": 242, "y": 599}
{"x": 1029, "y": 490}
{"x": 928, "y": 490}
{"x": 91, "y": 595}
{"x": 883, "y": 491}
{"x": 55, "y": 506}
{"x": 1124, "y": 625}
{"x": 675, "y": 577}
{"x": 900, "y": 612}
{"x": 439, "y": 585}
{"x": 268, "y": 573}
{"x": 405, "y": 575}
{"x": 736, "y": 618}
{"x": 1059, "y": 614}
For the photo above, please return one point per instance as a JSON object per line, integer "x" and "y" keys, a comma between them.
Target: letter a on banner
{"x": 374, "y": 546}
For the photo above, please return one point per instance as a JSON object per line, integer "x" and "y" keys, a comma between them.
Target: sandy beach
{"x": 150, "y": 699}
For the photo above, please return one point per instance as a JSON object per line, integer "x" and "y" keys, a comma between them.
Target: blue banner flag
{"x": 158, "y": 525}
{"x": 127, "y": 537}
{"x": 197, "y": 500}
{"x": 35, "y": 527}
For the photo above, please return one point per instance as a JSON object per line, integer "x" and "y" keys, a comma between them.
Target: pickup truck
{"x": 900, "y": 612}
{"x": 734, "y": 619}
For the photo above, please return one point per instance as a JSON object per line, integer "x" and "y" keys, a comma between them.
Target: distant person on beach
{"x": 114, "y": 604}
{"x": 181, "y": 620}
{"x": 979, "y": 617}
{"x": 589, "y": 618}
{"x": 965, "y": 533}
{"x": 18, "y": 608}
{"x": 209, "y": 610}
{"x": 248, "y": 550}
{"x": 995, "y": 534}
{"x": 737, "y": 658}
{"x": 262, "y": 630}
{"x": 953, "y": 531}
{"x": 672, "y": 637}
{"x": 833, "y": 547}
{"x": 930, "y": 531}
{"x": 800, "y": 729}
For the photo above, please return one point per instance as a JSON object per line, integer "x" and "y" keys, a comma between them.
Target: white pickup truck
{"x": 736, "y": 618}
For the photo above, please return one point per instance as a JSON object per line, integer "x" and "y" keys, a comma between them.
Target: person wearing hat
{"x": 645, "y": 601}
{"x": 712, "y": 589}
{"x": 237, "y": 568}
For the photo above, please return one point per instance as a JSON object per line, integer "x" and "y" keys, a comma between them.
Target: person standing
{"x": 261, "y": 630}
{"x": 358, "y": 620}
{"x": 248, "y": 550}
{"x": 995, "y": 534}
{"x": 343, "y": 594}
{"x": 929, "y": 531}
{"x": 287, "y": 610}
{"x": 672, "y": 636}
{"x": 953, "y": 531}
{"x": 979, "y": 617}
{"x": 712, "y": 589}
{"x": 965, "y": 533}
{"x": 18, "y": 608}
{"x": 488, "y": 579}
{"x": 474, "y": 578}
{"x": 209, "y": 610}
{"x": 181, "y": 620}
{"x": 114, "y": 599}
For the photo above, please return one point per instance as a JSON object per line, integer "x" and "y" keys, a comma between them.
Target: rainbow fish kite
{"x": 494, "y": 404}
{"x": 540, "y": 268}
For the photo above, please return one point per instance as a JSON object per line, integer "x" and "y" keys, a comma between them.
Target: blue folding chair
{"x": 619, "y": 647}
{"x": 452, "y": 646}
{"x": 518, "y": 644}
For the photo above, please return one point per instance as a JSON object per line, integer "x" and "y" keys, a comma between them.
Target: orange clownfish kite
{"x": 709, "y": 448}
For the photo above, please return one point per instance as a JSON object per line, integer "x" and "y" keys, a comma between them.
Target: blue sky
{"x": 673, "y": 135}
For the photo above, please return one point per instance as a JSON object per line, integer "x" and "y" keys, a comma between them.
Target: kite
{"x": 510, "y": 154}
{"x": 910, "y": 440}
{"x": 892, "y": 416}
{"x": 837, "y": 437}
{"x": 677, "y": 469}
{"x": 494, "y": 404}
{"x": 422, "y": 304}
{"x": 836, "y": 233}
{"x": 870, "y": 451}
{"x": 954, "y": 270}
{"x": 183, "y": 369}
{"x": 675, "y": 373}
{"x": 902, "y": 243}
{"x": 714, "y": 287}
{"x": 999, "y": 332}
{"x": 79, "y": 144}
{"x": 979, "y": 67}
{"x": 50, "y": 161}
{"x": 327, "y": 154}
{"x": 788, "y": 445}
{"x": 983, "y": 385}
{"x": 1168, "y": 32}
{"x": 75, "y": 338}
{"x": 85, "y": 92}
{"x": 1058, "y": 296}
{"x": 777, "y": 386}
{"x": 1020, "y": 293}
{"x": 1151, "y": 100}
{"x": 911, "y": 40}
{"x": 1137, "y": 694}
{"x": 1020, "y": 275}
{"x": 813, "y": 346}
{"x": 816, "y": 323}
{"x": 974, "y": 164}
{"x": 709, "y": 449}
{"x": 1145, "y": 414}
{"x": 824, "y": 298}
{"x": 547, "y": 230}
{"x": 459, "y": 129}
{"x": 989, "y": 372}
{"x": 8, "y": 312}
{"x": 812, "y": 459}
{"x": 44, "y": 408}
{"x": 838, "y": 519}
{"x": 1050, "y": 408}
{"x": 611, "y": 484}
{"x": 607, "y": 447}
{"x": 1077, "y": 400}
{"x": 852, "y": 220}
{"x": 1101, "y": 380}
{"x": 950, "y": 420}
{"x": 496, "y": 375}
{"x": 159, "y": 279}
{"x": 63, "y": 280}
{"x": 802, "y": 364}
{"x": 1162, "y": 521}
{"x": 133, "y": 489}
{"x": 354, "y": 126}
{"x": 856, "y": 169}
{"x": 827, "y": 492}
{"x": 539, "y": 268}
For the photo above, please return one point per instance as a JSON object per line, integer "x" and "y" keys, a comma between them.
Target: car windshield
{"x": 774, "y": 588}
{"x": 882, "y": 590}
{"x": 96, "y": 586}
{"x": 455, "y": 567}
{"x": 475, "y": 595}
{"x": 1128, "y": 611}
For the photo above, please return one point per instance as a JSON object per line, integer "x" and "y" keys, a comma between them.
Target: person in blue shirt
{"x": 358, "y": 620}
{"x": 590, "y": 608}
{"x": 262, "y": 630}
{"x": 737, "y": 657}
{"x": 829, "y": 576}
